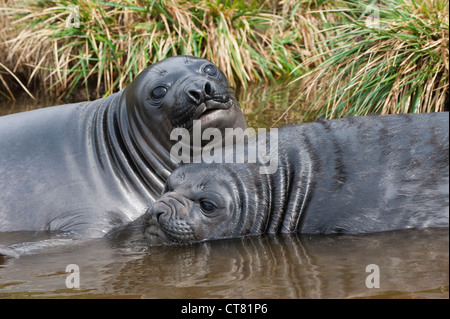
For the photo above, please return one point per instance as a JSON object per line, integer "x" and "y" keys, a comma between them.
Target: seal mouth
{"x": 203, "y": 112}
{"x": 207, "y": 112}
{"x": 209, "y": 107}
{"x": 154, "y": 234}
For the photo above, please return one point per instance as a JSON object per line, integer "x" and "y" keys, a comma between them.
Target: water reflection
{"x": 273, "y": 105}
{"x": 264, "y": 105}
{"x": 413, "y": 263}
{"x": 24, "y": 104}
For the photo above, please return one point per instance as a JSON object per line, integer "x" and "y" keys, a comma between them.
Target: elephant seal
{"x": 352, "y": 175}
{"x": 89, "y": 167}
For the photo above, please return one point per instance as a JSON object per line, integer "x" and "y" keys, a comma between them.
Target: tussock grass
{"x": 351, "y": 59}
{"x": 249, "y": 40}
{"x": 395, "y": 64}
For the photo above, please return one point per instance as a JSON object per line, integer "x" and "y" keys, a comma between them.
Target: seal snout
{"x": 199, "y": 93}
{"x": 160, "y": 211}
{"x": 204, "y": 90}
{"x": 167, "y": 215}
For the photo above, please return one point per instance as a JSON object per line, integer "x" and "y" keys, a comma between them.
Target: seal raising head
{"x": 171, "y": 94}
{"x": 176, "y": 91}
{"x": 91, "y": 167}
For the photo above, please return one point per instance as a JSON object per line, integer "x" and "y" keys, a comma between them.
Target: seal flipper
{"x": 8, "y": 252}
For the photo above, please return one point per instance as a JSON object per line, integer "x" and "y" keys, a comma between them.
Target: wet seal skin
{"x": 347, "y": 176}
{"x": 90, "y": 167}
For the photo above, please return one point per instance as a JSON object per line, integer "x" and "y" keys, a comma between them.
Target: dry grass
{"x": 396, "y": 64}
{"x": 348, "y": 66}
{"x": 249, "y": 40}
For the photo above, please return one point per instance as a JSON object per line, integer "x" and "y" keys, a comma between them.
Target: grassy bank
{"x": 249, "y": 40}
{"x": 389, "y": 57}
{"x": 396, "y": 63}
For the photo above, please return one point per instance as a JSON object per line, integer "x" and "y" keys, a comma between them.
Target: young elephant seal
{"x": 90, "y": 167}
{"x": 352, "y": 175}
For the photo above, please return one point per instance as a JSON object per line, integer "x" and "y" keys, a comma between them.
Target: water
{"x": 263, "y": 105}
{"x": 411, "y": 263}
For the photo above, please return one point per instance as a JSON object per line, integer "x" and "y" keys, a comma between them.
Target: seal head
{"x": 196, "y": 208}
{"x": 176, "y": 91}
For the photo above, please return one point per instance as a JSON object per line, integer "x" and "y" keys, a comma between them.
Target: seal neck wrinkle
{"x": 252, "y": 194}
{"x": 118, "y": 153}
{"x": 291, "y": 185}
{"x": 146, "y": 149}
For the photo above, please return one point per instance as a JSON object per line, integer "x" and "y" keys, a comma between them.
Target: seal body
{"x": 92, "y": 166}
{"x": 352, "y": 175}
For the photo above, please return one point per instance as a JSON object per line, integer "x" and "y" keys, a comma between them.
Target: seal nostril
{"x": 158, "y": 215}
{"x": 195, "y": 96}
{"x": 208, "y": 89}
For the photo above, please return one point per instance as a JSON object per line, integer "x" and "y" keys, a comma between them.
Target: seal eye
{"x": 210, "y": 70}
{"x": 207, "y": 206}
{"x": 159, "y": 92}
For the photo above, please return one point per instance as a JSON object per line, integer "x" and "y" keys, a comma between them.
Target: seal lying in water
{"x": 353, "y": 175}
{"x": 89, "y": 167}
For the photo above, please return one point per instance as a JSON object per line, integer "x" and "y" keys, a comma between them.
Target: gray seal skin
{"x": 352, "y": 175}
{"x": 92, "y": 166}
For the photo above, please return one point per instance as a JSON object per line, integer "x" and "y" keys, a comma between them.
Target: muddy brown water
{"x": 399, "y": 264}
